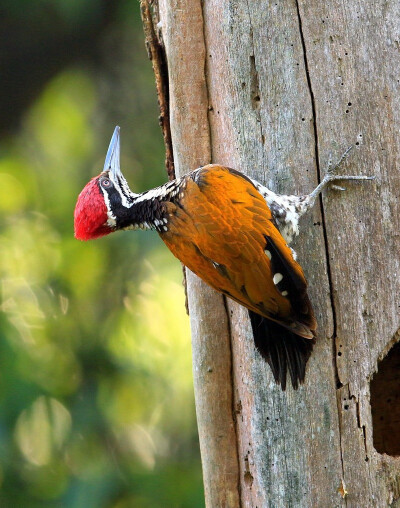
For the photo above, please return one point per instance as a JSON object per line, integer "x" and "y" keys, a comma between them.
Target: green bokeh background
{"x": 96, "y": 396}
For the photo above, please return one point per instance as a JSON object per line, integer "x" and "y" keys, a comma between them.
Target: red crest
{"x": 90, "y": 217}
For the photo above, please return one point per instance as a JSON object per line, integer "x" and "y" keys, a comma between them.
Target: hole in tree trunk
{"x": 385, "y": 403}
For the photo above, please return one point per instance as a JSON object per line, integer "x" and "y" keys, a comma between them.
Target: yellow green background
{"x": 96, "y": 396}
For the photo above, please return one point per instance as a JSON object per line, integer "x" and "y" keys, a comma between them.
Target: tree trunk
{"x": 273, "y": 89}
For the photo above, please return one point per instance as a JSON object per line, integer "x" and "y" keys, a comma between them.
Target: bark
{"x": 273, "y": 89}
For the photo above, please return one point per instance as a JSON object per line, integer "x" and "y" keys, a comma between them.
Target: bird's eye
{"x": 106, "y": 182}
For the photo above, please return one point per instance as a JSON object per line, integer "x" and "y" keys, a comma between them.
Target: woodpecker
{"x": 233, "y": 233}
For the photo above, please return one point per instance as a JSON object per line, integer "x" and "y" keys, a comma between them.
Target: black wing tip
{"x": 282, "y": 349}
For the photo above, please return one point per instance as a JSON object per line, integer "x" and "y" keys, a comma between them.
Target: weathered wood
{"x": 280, "y": 461}
{"x": 354, "y": 74}
{"x": 182, "y": 29}
{"x": 273, "y": 88}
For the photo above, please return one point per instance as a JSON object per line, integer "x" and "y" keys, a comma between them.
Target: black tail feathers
{"x": 282, "y": 349}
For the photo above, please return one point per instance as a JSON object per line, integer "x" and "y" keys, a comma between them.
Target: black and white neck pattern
{"x": 127, "y": 210}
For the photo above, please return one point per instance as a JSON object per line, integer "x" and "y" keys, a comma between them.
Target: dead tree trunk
{"x": 272, "y": 89}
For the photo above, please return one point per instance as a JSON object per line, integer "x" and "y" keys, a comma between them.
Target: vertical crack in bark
{"x": 233, "y": 408}
{"x": 364, "y": 436}
{"x": 206, "y": 73}
{"x": 339, "y": 406}
{"x": 255, "y": 94}
{"x": 254, "y": 83}
{"x": 326, "y": 243}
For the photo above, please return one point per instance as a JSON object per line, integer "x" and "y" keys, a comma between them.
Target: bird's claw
{"x": 332, "y": 170}
{"x": 331, "y": 175}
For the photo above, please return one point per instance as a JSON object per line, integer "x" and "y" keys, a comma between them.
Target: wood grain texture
{"x": 282, "y": 436}
{"x": 272, "y": 89}
{"x": 356, "y": 90}
{"x": 182, "y": 31}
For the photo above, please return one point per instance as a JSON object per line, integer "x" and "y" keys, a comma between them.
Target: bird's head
{"x": 105, "y": 201}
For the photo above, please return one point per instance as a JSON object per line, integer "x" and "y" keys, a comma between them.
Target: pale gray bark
{"x": 272, "y": 88}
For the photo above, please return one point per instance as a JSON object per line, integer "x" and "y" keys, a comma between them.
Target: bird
{"x": 232, "y": 232}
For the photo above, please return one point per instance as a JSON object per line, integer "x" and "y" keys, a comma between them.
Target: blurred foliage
{"x": 96, "y": 396}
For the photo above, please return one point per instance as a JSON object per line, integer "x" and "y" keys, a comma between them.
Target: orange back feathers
{"x": 223, "y": 230}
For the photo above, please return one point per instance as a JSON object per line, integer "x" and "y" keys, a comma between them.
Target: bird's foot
{"x": 331, "y": 175}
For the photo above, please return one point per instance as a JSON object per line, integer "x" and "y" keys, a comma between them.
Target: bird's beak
{"x": 112, "y": 158}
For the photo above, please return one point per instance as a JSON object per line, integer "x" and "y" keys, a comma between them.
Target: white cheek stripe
{"x": 112, "y": 220}
{"x": 126, "y": 201}
{"x": 170, "y": 189}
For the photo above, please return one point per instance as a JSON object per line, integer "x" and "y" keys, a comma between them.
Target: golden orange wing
{"x": 221, "y": 228}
